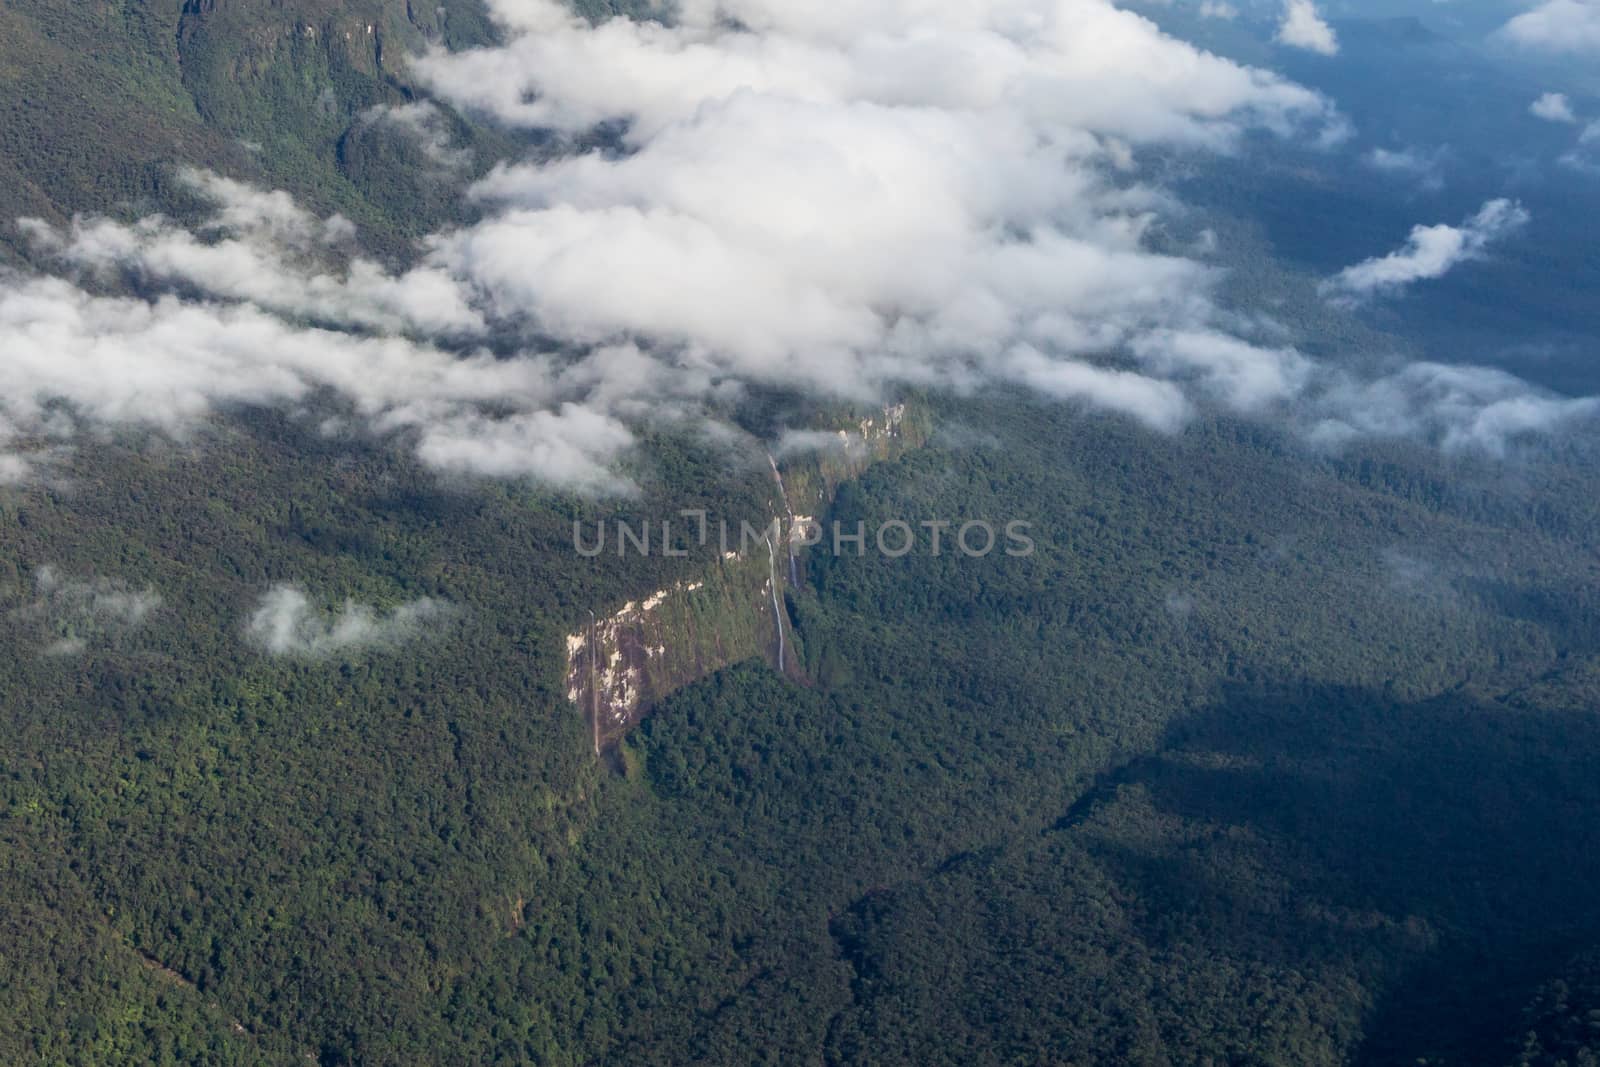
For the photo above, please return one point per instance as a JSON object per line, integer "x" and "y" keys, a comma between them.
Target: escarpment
{"x": 629, "y": 658}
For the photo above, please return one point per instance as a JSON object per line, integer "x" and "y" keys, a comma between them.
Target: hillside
{"x": 103, "y": 99}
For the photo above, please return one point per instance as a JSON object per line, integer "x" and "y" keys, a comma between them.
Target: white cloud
{"x": 265, "y": 250}
{"x": 1558, "y": 26}
{"x": 1243, "y": 376}
{"x": 1303, "y": 27}
{"x": 1217, "y": 9}
{"x": 565, "y": 446}
{"x": 1158, "y": 404}
{"x": 285, "y": 623}
{"x": 170, "y": 364}
{"x": 1553, "y": 107}
{"x": 1430, "y": 252}
{"x": 272, "y": 214}
{"x": 845, "y": 197}
{"x": 1078, "y": 63}
{"x": 841, "y": 198}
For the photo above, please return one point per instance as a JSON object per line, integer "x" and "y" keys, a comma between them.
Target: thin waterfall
{"x": 783, "y": 494}
{"x": 772, "y": 580}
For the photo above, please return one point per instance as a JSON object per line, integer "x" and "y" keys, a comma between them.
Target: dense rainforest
{"x": 1266, "y": 755}
{"x": 1292, "y": 762}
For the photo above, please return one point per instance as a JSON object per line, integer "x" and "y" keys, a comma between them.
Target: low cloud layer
{"x": 285, "y": 623}
{"x": 265, "y": 250}
{"x": 1430, "y": 252}
{"x": 844, "y": 199}
{"x": 170, "y": 361}
{"x": 168, "y": 365}
{"x": 1458, "y": 409}
{"x": 1303, "y": 27}
{"x": 841, "y": 200}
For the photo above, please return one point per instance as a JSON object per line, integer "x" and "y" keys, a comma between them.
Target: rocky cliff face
{"x": 302, "y": 88}
{"x": 622, "y": 664}
{"x": 305, "y": 68}
{"x": 630, "y": 658}
{"x": 246, "y": 40}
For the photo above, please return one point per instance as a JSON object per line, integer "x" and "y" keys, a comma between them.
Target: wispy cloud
{"x": 1585, "y": 153}
{"x": 1425, "y": 167}
{"x": 1458, "y": 409}
{"x": 80, "y": 611}
{"x": 1430, "y": 252}
{"x": 170, "y": 364}
{"x": 263, "y": 249}
{"x": 285, "y": 623}
{"x": 428, "y": 127}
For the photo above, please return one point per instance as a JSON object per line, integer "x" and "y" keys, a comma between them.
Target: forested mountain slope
{"x": 413, "y": 854}
{"x": 103, "y": 99}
